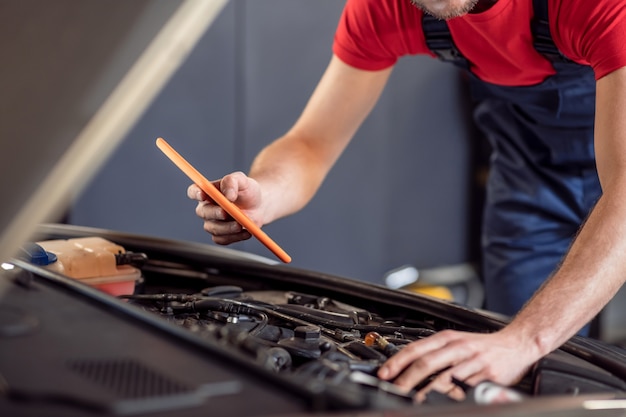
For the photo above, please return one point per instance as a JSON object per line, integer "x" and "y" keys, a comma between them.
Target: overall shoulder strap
{"x": 542, "y": 38}
{"x": 439, "y": 41}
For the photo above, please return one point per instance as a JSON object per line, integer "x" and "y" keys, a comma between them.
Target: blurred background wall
{"x": 400, "y": 194}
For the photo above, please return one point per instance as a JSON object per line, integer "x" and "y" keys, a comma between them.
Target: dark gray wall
{"x": 398, "y": 195}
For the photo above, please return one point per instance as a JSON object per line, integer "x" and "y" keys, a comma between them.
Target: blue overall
{"x": 542, "y": 180}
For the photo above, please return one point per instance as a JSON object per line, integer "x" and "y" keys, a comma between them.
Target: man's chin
{"x": 446, "y": 10}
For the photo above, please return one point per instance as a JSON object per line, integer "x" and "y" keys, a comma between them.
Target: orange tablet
{"x": 212, "y": 191}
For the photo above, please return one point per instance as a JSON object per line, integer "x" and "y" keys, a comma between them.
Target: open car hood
{"x": 76, "y": 76}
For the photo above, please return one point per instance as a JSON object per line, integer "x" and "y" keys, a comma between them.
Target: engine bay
{"x": 332, "y": 339}
{"x": 312, "y": 336}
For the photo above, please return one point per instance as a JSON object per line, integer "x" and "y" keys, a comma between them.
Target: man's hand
{"x": 468, "y": 357}
{"x": 244, "y": 191}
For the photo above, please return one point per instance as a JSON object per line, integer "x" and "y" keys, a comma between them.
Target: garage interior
{"x": 243, "y": 85}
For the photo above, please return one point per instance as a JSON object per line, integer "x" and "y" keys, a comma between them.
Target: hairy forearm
{"x": 289, "y": 174}
{"x": 595, "y": 266}
{"x": 592, "y": 272}
{"x": 291, "y": 169}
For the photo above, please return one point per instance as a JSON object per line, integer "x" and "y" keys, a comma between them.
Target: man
{"x": 539, "y": 117}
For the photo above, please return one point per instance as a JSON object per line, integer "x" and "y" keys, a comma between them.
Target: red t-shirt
{"x": 373, "y": 34}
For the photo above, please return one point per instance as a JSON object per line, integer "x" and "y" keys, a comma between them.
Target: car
{"x": 204, "y": 329}
{"x": 105, "y": 322}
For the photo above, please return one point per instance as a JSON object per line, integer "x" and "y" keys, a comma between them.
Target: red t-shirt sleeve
{"x": 373, "y": 34}
{"x": 591, "y": 32}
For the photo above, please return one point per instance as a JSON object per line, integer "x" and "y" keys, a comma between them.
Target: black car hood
{"x": 75, "y": 77}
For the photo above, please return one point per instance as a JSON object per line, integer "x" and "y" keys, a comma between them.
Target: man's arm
{"x": 590, "y": 275}
{"x": 595, "y": 267}
{"x": 288, "y": 172}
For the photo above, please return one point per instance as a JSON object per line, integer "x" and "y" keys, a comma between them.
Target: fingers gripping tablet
{"x": 222, "y": 201}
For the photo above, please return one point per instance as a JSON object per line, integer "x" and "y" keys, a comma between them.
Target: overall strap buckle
{"x": 542, "y": 38}
{"x": 439, "y": 41}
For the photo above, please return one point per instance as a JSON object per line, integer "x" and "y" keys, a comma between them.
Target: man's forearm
{"x": 591, "y": 273}
{"x": 291, "y": 169}
{"x": 289, "y": 177}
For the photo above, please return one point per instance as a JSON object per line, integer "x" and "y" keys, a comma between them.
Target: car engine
{"x": 312, "y": 336}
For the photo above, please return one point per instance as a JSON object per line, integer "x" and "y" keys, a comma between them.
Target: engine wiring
{"x": 306, "y": 337}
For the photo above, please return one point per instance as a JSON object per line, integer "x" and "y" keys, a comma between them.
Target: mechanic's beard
{"x": 445, "y": 9}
